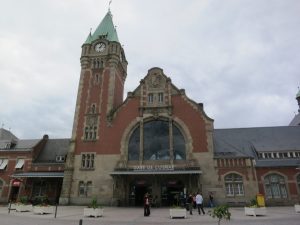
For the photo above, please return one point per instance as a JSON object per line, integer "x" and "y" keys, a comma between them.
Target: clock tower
{"x": 100, "y": 92}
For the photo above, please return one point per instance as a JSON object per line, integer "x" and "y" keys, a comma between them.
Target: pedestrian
{"x": 190, "y": 203}
{"x": 199, "y": 202}
{"x": 211, "y": 200}
{"x": 194, "y": 200}
{"x": 146, "y": 205}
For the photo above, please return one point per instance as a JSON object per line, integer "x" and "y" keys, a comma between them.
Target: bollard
{"x": 9, "y": 205}
{"x": 55, "y": 211}
{"x": 80, "y": 222}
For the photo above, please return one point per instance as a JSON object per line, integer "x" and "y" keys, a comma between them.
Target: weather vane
{"x": 109, "y": 5}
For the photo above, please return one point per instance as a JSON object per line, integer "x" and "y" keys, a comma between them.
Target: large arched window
{"x": 275, "y": 186}
{"x": 156, "y": 138}
{"x": 234, "y": 185}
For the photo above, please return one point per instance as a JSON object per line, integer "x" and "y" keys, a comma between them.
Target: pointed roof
{"x": 88, "y": 39}
{"x": 106, "y": 28}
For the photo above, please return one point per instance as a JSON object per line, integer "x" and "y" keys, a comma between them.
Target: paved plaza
{"x": 71, "y": 215}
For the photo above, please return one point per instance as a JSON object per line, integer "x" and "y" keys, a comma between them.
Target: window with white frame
{"x": 234, "y": 185}
{"x": 60, "y": 158}
{"x": 160, "y": 97}
{"x": 3, "y": 164}
{"x": 87, "y": 160}
{"x": 150, "y": 98}
{"x": 85, "y": 189}
{"x": 275, "y": 186}
{"x": 90, "y": 132}
{"x": 19, "y": 164}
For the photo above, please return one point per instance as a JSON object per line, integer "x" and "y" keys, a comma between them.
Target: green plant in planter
{"x": 253, "y": 203}
{"x": 94, "y": 204}
{"x": 221, "y": 212}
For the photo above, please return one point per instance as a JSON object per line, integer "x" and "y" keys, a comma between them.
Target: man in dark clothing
{"x": 190, "y": 203}
{"x": 211, "y": 200}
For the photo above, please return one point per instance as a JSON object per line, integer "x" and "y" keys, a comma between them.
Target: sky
{"x": 240, "y": 58}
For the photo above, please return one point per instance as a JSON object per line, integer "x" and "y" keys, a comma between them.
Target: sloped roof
{"x": 53, "y": 148}
{"x": 7, "y": 135}
{"x": 20, "y": 145}
{"x": 241, "y": 142}
{"x": 295, "y": 121}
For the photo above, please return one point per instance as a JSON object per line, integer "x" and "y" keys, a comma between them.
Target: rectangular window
{"x": 60, "y": 158}
{"x": 87, "y": 160}
{"x": 3, "y": 164}
{"x": 89, "y": 188}
{"x": 229, "y": 190}
{"x": 39, "y": 188}
{"x": 150, "y": 98}
{"x": 160, "y": 97}
{"x": 20, "y": 164}
{"x": 83, "y": 161}
{"x": 81, "y": 189}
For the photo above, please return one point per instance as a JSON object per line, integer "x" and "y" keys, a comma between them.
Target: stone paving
{"x": 71, "y": 215}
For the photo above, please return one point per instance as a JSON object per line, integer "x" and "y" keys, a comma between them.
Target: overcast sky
{"x": 240, "y": 58}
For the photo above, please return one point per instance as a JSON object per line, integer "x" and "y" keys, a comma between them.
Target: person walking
{"x": 199, "y": 202}
{"x": 190, "y": 203}
{"x": 146, "y": 205}
{"x": 194, "y": 201}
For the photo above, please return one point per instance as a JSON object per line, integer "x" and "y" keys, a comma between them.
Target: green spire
{"x": 106, "y": 28}
{"x": 298, "y": 94}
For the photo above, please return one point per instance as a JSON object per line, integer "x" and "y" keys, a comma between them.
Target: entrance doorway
{"x": 138, "y": 191}
{"x": 172, "y": 193}
{"x": 14, "y": 193}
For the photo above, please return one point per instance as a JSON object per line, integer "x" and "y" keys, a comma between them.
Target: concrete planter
{"x": 297, "y": 208}
{"x": 177, "y": 213}
{"x": 93, "y": 212}
{"x": 260, "y": 211}
{"x": 23, "y": 208}
{"x": 43, "y": 209}
{"x": 12, "y": 206}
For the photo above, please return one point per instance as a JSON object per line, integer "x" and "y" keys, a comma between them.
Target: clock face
{"x": 100, "y": 47}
